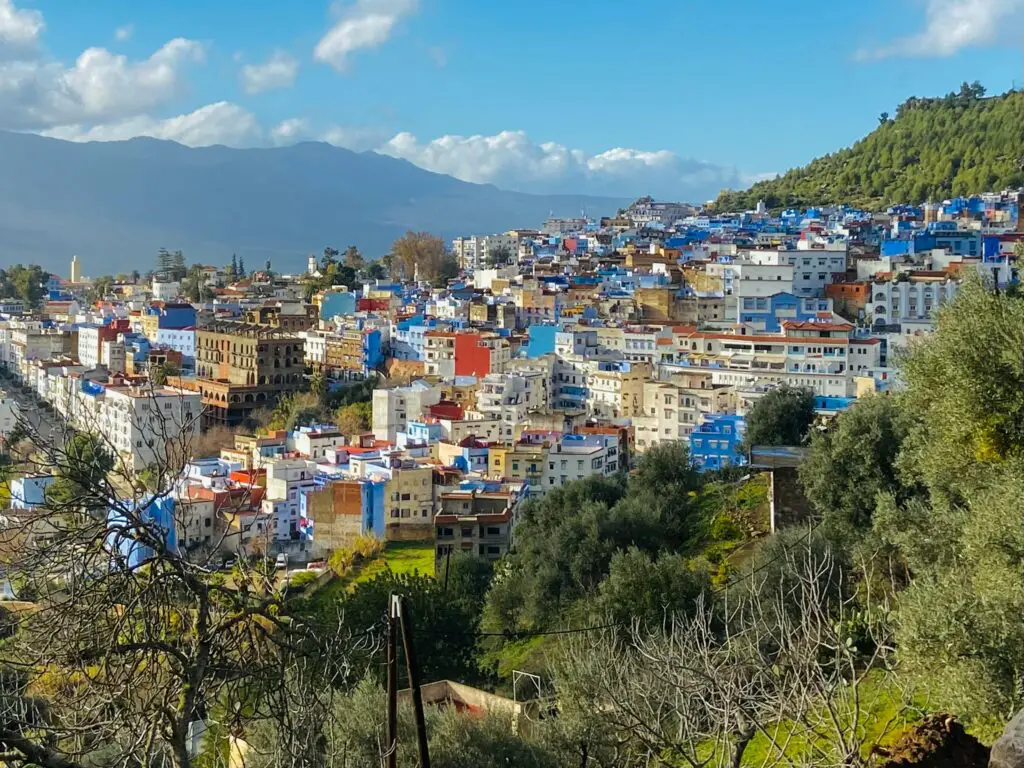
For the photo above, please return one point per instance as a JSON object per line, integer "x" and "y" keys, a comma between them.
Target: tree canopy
{"x": 781, "y": 417}
{"x": 934, "y": 149}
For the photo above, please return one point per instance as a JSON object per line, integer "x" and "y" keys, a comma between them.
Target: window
{"x": 493, "y": 531}
{"x": 467, "y": 532}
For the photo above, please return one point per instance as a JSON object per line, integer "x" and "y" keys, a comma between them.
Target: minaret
{"x": 76, "y": 270}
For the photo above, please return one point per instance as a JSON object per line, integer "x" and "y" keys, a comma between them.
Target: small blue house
{"x": 128, "y": 537}
{"x": 715, "y": 444}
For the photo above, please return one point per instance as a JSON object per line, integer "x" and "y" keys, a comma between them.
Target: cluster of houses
{"x": 557, "y": 354}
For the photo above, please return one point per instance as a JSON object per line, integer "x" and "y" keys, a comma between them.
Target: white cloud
{"x": 19, "y": 27}
{"x": 219, "y": 123}
{"x": 364, "y": 24}
{"x": 100, "y": 86}
{"x": 512, "y": 161}
{"x": 289, "y": 131}
{"x": 279, "y": 71}
{"x": 124, "y": 33}
{"x": 951, "y": 25}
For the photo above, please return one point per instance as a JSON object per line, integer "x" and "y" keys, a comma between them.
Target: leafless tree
{"x": 791, "y": 667}
{"x": 129, "y": 647}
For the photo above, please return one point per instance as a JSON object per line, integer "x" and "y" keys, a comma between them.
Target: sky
{"x": 674, "y": 98}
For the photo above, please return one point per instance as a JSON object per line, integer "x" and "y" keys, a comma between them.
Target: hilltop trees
{"x": 934, "y": 148}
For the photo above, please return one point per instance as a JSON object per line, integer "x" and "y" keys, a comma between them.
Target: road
{"x": 40, "y": 420}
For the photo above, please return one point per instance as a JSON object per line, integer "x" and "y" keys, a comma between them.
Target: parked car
{"x": 281, "y": 561}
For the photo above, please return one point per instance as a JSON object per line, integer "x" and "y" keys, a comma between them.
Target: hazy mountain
{"x": 114, "y": 204}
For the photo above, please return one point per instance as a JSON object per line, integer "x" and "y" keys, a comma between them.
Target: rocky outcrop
{"x": 939, "y": 741}
{"x": 1008, "y": 751}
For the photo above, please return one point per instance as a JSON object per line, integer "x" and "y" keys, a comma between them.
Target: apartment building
{"x": 394, "y": 408}
{"x": 479, "y": 520}
{"x": 575, "y": 457}
{"x": 812, "y": 270}
{"x": 895, "y": 302}
{"x": 616, "y": 389}
{"x": 242, "y": 367}
{"x": 672, "y": 411}
{"x": 143, "y": 424}
{"x": 287, "y": 480}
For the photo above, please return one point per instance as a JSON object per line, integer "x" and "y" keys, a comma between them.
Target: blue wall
{"x": 715, "y": 443}
{"x": 156, "y": 516}
{"x": 542, "y": 340}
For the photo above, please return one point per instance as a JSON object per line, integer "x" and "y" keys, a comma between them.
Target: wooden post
{"x": 391, "y": 758}
{"x": 414, "y": 682}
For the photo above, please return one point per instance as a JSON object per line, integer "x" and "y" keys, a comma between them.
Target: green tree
{"x": 241, "y": 268}
{"x": 99, "y": 288}
{"x": 27, "y": 283}
{"x": 959, "y": 634}
{"x": 353, "y": 258}
{"x": 85, "y": 463}
{"x": 444, "y": 638}
{"x": 376, "y": 271}
{"x": 159, "y": 373}
{"x": 499, "y": 257}
{"x": 780, "y": 417}
{"x": 649, "y": 588}
{"x": 934, "y": 148}
{"x": 965, "y": 385}
{"x": 855, "y": 460}
{"x": 330, "y": 257}
{"x": 354, "y": 418}
{"x": 234, "y": 265}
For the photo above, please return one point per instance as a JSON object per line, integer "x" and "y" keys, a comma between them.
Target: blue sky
{"x": 675, "y": 97}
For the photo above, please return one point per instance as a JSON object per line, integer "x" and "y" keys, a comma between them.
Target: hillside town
{"x": 555, "y": 354}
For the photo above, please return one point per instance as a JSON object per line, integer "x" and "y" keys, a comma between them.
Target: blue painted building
{"x": 716, "y": 442}
{"x": 767, "y": 313}
{"x": 829, "y": 406}
{"x": 128, "y": 537}
{"x": 174, "y": 316}
{"x": 542, "y": 340}
{"x": 30, "y": 491}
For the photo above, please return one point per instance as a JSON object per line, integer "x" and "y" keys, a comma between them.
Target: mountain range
{"x": 114, "y": 204}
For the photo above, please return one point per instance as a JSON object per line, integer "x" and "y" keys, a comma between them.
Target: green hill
{"x": 933, "y": 149}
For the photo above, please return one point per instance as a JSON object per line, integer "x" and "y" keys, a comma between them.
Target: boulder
{"x": 1008, "y": 751}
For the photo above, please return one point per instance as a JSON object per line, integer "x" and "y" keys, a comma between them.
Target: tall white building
{"x": 76, "y": 270}
{"x": 141, "y": 423}
{"x": 394, "y": 408}
{"x": 894, "y": 302}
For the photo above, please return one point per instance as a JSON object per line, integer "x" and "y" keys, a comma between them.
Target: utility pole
{"x": 392, "y": 713}
{"x": 414, "y": 682}
{"x": 399, "y": 619}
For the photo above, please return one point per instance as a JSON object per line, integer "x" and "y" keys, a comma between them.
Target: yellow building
{"x": 409, "y": 504}
{"x": 618, "y": 394}
{"x": 517, "y": 461}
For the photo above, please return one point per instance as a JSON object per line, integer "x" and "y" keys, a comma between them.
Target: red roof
{"x": 795, "y": 325}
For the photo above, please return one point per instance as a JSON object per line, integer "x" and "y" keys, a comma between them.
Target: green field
{"x": 399, "y": 556}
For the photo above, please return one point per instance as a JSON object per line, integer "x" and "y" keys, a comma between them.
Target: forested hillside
{"x": 932, "y": 149}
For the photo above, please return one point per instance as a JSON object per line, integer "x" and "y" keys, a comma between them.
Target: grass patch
{"x": 400, "y": 557}
{"x": 884, "y": 714}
